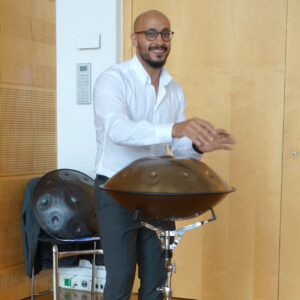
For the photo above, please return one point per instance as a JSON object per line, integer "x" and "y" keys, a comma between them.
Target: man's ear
{"x": 134, "y": 41}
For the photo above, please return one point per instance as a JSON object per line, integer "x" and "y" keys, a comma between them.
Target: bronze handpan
{"x": 63, "y": 204}
{"x": 167, "y": 188}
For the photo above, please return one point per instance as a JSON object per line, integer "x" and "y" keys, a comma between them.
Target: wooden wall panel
{"x": 11, "y": 198}
{"x": 290, "y": 242}
{"x": 27, "y": 131}
{"x": 42, "y": 10}
{"x": 27, "y": 28}
{"x": 14, "y": 285}
{"x": 229, "y": 58}
{"x": 27, "y": 126}
{"x": 33, "y": 63}
{"x": 13, "y": 282}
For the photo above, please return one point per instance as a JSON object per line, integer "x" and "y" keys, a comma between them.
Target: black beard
{"x": 152, "y": 63}
{"x": 155, "y": 64}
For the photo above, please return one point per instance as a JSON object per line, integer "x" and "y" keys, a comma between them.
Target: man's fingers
{"x": 225, "y": 137}
{"x": 225, "y": 147}
{"x": 222, "y": 131}
{"x": 194, "y": 128}
{"x": 204, "y": 131}
{"x": 227, "y": 141}
{"x": 190, "y": 130}
{"x": 208, "y": 127}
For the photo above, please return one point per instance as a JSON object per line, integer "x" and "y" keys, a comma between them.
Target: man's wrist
{"x": 196, "y": 149}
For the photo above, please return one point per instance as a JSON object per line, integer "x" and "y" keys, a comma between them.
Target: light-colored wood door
{"x": 290, "y": 239}
{"x": 229, "y": 57}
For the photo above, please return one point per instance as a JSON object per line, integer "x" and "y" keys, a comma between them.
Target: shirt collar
{"x": 165, "y": 77}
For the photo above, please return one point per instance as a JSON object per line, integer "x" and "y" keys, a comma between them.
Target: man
{"x": 139, "y": 110}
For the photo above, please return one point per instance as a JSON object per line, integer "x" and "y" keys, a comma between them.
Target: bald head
{"x": 148, "y": 17}
{"x": 152, "y": 39}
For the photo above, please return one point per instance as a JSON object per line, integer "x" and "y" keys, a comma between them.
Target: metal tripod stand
{"x": 168, "y": 246}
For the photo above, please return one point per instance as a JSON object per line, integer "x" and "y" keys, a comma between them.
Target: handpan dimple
{"x": 55, "y": 220}
{"x": 153, "y": 174}
{"x": 151, "y": 177}
{"x": 74, "y": 199}
{"x": 44, "y": 202}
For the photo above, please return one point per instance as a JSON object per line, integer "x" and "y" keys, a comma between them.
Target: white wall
{"x": 76, "y": 142}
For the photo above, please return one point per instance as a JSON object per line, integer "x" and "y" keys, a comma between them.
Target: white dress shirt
{"x": 132, "y": 121}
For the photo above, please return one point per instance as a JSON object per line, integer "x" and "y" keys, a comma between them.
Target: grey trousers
{"x": 126, "y": 243}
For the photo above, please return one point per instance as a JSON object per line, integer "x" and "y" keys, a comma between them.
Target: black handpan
{"x": 63, "y": 204}
{"x": 167, "y": 188}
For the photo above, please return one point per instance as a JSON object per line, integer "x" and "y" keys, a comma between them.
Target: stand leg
{"x": 165, "y": 239}
{"x": 167, "y": 253}
{"x": 32, "y": 284}
{"x": 93, "y": 271}
{"x": 169, "y": 266}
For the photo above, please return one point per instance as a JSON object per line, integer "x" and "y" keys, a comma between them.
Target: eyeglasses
{"x": 152, "y": 34}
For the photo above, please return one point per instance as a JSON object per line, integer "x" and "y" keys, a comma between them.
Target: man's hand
{"x": 199, "y": 131}
{"x": 223, "y": 141}
{"x": 205, "y": 137}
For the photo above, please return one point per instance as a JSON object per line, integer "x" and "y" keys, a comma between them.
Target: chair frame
{"x": 57, "y": 255}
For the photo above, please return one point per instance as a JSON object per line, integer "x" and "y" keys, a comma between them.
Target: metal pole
{"x": 55, "y": 273}
{"x": 32, "y": 284}
{"x": 93, "y": 271}
{"x": 167, "y": 253}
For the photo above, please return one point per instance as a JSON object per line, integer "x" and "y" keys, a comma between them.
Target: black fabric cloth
{"x": 37, "y": 243}
{"x": 30, "y": 228}
{"x": 127, "y": 243}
